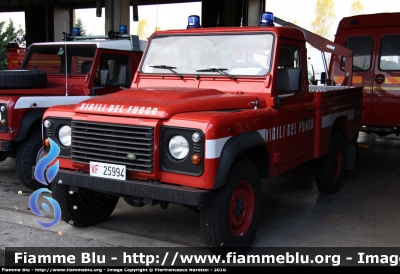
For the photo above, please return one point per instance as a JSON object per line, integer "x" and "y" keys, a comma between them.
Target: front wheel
{"x": 83, "y": 207}
{"x": 27, "y": 155}
{"x": 229, "y": 221}
{"x": 330, "y": 168}
{"x": 3, "y": 156}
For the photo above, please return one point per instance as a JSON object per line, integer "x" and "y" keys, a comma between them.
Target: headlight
{"x": 178, "y": 147}
{"x": 64, "y": 135}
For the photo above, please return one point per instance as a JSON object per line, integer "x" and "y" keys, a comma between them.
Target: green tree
{"x": 79, "y": 24}
{"x": 8, "y": 35}
{"x": 324, "y": 18}
{"x": 141, "y": 30}
{"x": 356, "y": 7}
{"x": 3, "y": 53}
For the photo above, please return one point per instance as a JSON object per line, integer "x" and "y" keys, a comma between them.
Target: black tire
{"x": 229, "y": 221}
{"x": 22, "y": 78}
{"x": 3, "y": 156}
{"x": 331, "y": 167}
{"x": 83, "y": 207}
{"x": 26, "y": 157}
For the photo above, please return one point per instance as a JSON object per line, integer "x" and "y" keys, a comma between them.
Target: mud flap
{"x": 351, "y": 156}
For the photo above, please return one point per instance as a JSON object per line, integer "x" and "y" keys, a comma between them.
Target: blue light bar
{"x": 193, "y": 22}
{"x": 76, "y": 31}
{"x": 354, "y": 22}
{"x": 123, "y": 29}
{"x": 266, "y": 19}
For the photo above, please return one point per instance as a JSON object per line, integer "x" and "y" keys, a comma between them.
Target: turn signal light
{"x": 47, "y": 142}
{"x": 196, "y": 159}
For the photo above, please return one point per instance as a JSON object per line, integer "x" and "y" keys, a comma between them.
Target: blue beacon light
{"x": 123, "y": 29}
{"x": 193, "y": 22}
{"x": 266, "y": 19}
{"x": 76, "y": 31}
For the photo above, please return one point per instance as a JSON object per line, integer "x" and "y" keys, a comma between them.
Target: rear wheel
{"x": 83, "y": 207}
{"x": 229, "y": 221}
{"x": 330, "y": 168}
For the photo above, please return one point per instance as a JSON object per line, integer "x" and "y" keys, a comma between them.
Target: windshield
{"x": 52, "y": 58}
{"x": 234, "y": 54}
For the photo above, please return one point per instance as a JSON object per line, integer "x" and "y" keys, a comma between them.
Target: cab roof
{"x": 370, "y": 20}
{"x": 120, "y": 44}
{"x": 278, "y": 30}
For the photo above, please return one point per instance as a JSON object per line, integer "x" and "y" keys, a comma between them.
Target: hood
{"x": 163, "y": 103}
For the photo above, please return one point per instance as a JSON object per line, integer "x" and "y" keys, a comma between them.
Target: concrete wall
{"x": 61, "y": 22}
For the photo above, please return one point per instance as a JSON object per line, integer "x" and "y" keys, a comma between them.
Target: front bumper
{"x": 134, "y": 188}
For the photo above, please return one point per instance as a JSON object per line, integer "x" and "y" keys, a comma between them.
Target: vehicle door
{"x": 363, "y": 43}
{"x": 385, "y": 99}
{"x": 111, "y": 66}
{"x": 293, "y": 128}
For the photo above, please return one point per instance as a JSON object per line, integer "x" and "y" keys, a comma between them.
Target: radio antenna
{"x": 157, "y": 16}
{"x": 66, "y": 59}
{"x": 241, "y": 19}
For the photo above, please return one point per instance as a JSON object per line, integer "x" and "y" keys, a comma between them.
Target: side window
{"x": 288, "y": 58}
{"x": 389, "y": 58}
{"x": 115, "y": 65}
{"x": 362, "y": 48}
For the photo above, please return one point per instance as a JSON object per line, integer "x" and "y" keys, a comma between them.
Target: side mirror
{"x": 293, "y": 76}
{"x": 293, "y": 84}
{"x": 323, "y": 77}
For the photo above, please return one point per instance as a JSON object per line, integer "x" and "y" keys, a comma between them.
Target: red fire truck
{"x": 57, "y": 73}
{"x": 375, "y": 41}
{"x": 210, "y": 112}
{"x": 16, "y": 50}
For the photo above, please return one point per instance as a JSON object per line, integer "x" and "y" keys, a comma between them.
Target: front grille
{"x": 108, "y": 143}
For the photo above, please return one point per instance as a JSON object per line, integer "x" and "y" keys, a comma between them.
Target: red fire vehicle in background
{"x": 375, "y": 41}
{"x": 209, "y": 113}
{"x": 16, "y": 50}
{"x": 57, "y": 73}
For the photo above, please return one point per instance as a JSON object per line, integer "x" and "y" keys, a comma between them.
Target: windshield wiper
{"x": 219, "y": 70}
{"x": 169, "y": 68}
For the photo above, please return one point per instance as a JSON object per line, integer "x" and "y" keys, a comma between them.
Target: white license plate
{"x": 110, "y": 171}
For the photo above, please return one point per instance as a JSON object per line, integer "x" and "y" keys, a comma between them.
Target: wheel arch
{"x": 245, "y": 145}
{"x": 30, "y": 120}
{"x": 342, "y": 125}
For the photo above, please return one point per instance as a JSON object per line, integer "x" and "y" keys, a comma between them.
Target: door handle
{"x": 380, "y": 79}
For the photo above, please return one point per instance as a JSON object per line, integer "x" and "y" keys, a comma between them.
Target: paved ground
{"x": 364, "y": 213}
